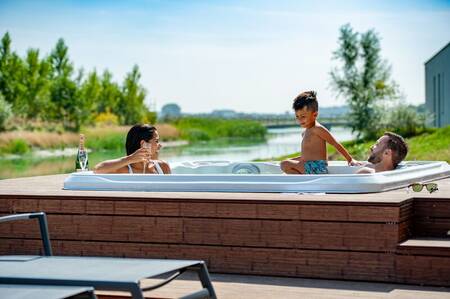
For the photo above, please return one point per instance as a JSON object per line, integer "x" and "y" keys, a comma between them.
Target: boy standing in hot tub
{"x": 313, "y": 159}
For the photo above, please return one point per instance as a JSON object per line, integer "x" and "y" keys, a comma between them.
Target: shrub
{"x": 203, "y": 129}
{"x": 194, "y": 135}
{"x": 149, "y": 117}
{"x": 106, "y": 138}
{"x": 106, "y": 118}
{"x": 403, "y": 120}
{"x": 5, "y": 112}
{"x": 17, "y": 146}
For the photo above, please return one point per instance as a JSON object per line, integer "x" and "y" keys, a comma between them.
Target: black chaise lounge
{"x": 22, "y": 291}
{"x": 101, "y": 273}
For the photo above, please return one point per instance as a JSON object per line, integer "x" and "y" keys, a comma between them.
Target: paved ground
{"x": 266, "y": 287}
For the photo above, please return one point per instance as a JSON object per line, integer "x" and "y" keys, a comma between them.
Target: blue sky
{"x": 251, "y": 56}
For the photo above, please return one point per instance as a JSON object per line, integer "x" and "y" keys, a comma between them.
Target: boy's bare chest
{"x": 310, "y": 139}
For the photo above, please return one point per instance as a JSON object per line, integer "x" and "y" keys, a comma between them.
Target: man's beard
{"x": 374, "y": 158}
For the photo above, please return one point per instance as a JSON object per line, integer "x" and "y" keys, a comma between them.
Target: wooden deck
{"x": 393, "y": 236}
{"x": 234, "y": 286}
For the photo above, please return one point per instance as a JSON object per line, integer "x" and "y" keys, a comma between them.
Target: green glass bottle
{"x": 82, "y": 162}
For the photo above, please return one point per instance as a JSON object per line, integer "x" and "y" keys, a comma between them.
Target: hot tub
{"x": 225, "y": 176}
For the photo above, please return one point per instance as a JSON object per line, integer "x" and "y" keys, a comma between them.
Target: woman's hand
{"x": 141, "y": 155}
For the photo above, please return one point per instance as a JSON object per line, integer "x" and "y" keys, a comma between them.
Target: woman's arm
{"x": 112, "y": 166}
{"x": 165, "y": 167}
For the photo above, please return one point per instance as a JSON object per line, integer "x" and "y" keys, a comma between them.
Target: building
{"x": 437, "y": 86}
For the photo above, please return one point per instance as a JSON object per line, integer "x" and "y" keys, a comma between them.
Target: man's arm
{"x": 326, "y": 135}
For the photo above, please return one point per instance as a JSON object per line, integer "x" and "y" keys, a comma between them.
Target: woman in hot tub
{"x": 142, "y": 147}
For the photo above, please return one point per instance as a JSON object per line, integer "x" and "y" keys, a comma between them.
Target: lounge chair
{"x": 101, "y": 273}
{"x": 16, "y": 291}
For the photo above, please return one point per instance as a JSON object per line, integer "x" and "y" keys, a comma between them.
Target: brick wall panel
{"x": 73, "y": 206}
{"x": 49, "y": 205}
{"x": 265, "y": 211}
{"x": 25, "y": 205}
{"x": 237, "y": 210}
{"x": 162, "y": 209}
{"x": 198, "y": 209}
{"x": 130, "y": 208}
{"x": 99, "y": 207}
{"x": 5, "y": 206}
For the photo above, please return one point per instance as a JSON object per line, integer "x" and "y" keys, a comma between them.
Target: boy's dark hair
{"x": 136, "y": 134}
{"x": 397, "y": 144}
{"x": 306, "y": 99}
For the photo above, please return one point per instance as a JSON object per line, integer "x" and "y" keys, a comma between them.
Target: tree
{"x": 36, "y": 81}
{"x": 170, "y": 111}
{"x": 89, "y": 94}
{"x": 11, "y": 74}
{"x": 47, "y": 88}
{"x": 5, "y": 57}
{"x": 131, "y": 104}
{"x": 109, "y": 96}
{"x": 5, "y": 112}
{"x": 363, "y": 78}
{"x": 65, "y": 104}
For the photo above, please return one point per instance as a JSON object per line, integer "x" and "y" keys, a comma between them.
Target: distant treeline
{"x": 47, "y": 88}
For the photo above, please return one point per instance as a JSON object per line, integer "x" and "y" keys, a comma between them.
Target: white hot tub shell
{"x": 225, "y": 176}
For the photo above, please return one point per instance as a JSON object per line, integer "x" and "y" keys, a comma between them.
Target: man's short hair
{"x": 306, "y": 99}
{"x": 397, "y": 144}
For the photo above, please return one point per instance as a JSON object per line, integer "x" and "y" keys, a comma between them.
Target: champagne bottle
{"x": 82, "y": 162}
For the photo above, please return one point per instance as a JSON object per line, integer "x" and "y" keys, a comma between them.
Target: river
{"x": 279, "y": 142}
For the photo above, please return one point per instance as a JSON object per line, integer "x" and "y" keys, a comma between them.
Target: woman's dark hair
{"x": 136, "y": 134}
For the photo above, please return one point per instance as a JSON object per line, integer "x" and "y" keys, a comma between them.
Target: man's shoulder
{"x": 365, "y": 169}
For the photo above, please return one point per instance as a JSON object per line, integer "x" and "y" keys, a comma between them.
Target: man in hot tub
{"x": 389, "y": 150}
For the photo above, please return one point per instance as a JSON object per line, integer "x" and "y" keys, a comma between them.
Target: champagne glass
{"x": 149, "y": 146}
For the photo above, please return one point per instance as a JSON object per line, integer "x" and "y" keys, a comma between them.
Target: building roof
{"x": 432, "y": 57}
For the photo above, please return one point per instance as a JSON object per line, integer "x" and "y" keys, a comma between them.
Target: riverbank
{"x": 430, "y": 146}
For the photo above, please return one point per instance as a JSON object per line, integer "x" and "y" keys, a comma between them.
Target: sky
{"x": 249, "y": 56}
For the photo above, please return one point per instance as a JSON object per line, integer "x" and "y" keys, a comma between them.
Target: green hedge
{"x": 205, "y": 129}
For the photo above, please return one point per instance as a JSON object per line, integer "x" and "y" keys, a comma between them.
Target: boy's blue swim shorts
{"x": 316, "y": 167}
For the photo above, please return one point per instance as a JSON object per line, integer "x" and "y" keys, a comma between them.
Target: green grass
{"x": 206, "y": 129}
{"x": 434, "y": 145}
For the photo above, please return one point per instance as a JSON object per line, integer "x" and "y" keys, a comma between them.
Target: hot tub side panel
{"x": 354, "y": 241}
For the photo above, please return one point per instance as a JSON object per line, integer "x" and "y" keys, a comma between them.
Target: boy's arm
{"x": 326, "y": 135}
